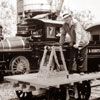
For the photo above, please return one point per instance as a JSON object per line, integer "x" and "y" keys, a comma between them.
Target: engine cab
{"x": 39, "y": 29}
{"x": 40, "y": 33}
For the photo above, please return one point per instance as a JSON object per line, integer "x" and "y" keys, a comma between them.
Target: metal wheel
{"x": 62, "y": 93}
{"x": 84, "y": 90}
{"x": 20, "y": 64}
{"x": 52, "y": 94}
{"x": 24, "y": 95}
{"x": 56, "y": 94}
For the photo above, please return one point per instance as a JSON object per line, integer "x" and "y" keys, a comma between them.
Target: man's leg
{"x": 73, "y": 61}
{"x": 82, "y": 62}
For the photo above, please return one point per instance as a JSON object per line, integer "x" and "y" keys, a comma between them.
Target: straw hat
{"x": 66, "y": 14}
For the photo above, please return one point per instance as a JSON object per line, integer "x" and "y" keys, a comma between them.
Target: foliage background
{"x": 85, "y": 17}
{"x": 8, "y": 20}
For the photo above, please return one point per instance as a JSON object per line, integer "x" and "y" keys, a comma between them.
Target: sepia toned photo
{"x": 49, "y": 50}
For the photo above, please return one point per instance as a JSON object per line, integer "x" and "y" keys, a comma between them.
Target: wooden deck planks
{"x": 34, "y": 80}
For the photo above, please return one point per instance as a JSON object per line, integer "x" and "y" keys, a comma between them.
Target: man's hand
{"x": 76, "y": 46}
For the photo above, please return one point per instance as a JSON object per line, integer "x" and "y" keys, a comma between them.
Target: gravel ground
{"x": 7, "y": 91}
{"x": 95, "y": 91}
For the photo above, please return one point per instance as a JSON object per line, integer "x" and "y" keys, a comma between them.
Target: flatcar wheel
{"x": 52, "y": 94}
{"x": 19, "y": 64}
{"x": 84, "y": 90}
{"x": 24, "y": 95}
{"x": 57, "y": 94}
{"x": 62, "y": 93}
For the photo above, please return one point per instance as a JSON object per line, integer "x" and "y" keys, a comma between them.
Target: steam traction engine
{"x": 52, "y": 81}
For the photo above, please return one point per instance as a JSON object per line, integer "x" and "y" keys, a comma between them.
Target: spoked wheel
{"x": 84, "y": 90}
{"x": 56, "y": 94}
{"x": 52, "y": 94}
{"x": 24, "y": 95}
{"x": 20, "y": 64}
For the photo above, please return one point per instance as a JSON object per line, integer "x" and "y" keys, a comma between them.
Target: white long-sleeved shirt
{"x": 82, "y": 36}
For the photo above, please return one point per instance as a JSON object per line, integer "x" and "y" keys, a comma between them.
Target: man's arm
{"x": 63, "y": 35}
{"x": 78, "y": 31}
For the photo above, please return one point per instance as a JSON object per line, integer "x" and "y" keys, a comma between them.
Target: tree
{"x": 8, "y": 19}
{"x": 85, "y": 17}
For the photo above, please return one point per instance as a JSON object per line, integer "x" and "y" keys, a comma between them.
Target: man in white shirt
{"x": 79, "y": 40}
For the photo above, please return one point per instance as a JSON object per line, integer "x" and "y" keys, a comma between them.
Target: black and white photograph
{"x": 49, "y": 50}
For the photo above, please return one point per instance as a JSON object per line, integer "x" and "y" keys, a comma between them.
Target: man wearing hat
{"x": 79, "y": 38}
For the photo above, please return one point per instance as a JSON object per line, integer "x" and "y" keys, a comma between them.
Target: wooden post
{"x": 48, "y": 70}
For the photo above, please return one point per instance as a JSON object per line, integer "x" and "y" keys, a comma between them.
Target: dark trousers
{"x": 82, "y": 60}
{"x": 78, "y": 60}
